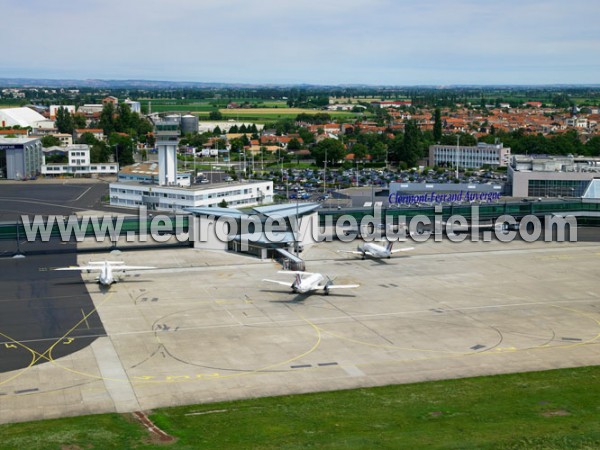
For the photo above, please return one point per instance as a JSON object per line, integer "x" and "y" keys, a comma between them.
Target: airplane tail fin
{"x": 389, "y": 245}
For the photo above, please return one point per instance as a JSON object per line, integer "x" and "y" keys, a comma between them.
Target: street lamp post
{"x": 457, "y": 153}
{"x": 325, "y": 173}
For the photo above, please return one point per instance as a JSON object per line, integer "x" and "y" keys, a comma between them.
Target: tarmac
{"x": 203, "y": 326}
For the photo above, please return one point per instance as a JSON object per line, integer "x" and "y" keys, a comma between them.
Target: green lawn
{"x": 541, "y": 410}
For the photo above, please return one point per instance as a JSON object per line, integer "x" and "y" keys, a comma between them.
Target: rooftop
{"x": 16, "y": 140}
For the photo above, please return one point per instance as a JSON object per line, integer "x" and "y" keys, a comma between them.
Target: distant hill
{"x": 158, "y": 84}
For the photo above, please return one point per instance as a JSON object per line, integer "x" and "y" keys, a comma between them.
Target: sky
{"x": 375, "y": 42}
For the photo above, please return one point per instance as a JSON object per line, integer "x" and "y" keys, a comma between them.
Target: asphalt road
{"x": 58, "y": 198}
{"x": 44, "y": 314}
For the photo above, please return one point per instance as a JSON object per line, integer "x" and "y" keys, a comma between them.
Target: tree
{"x": 329, "y": 148}
{"x": 64, "y": 121}
{"x": 236, "y": 144}
{"x": 99, "y": 153}
{"x": 123, "y": 148}
{"x": 50, "y": 141}
{"x": 215, "y": 114}
{"x": 360, "y": 151}
{"x": 294, "y": 144}
{"x": 88, "y": 138}
{"x": 222, "y": 204}
{"x": 592, "y": 147}
{"x": 107, "y": 119}
{"x": 408, "y": 147}
{"x": 79, "y": 120}
{"x": 124, "y": 121}
{"x": 437, "y": 125}
{"x": 379, "y": 151}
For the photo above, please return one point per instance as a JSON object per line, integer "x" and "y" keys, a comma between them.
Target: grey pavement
{"x": 203, "y": 327}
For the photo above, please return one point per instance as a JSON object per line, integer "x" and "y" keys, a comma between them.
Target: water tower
{"x": 166, "y": 132}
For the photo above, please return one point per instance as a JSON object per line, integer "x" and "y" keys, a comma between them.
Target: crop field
{"x": 540, "y": 410}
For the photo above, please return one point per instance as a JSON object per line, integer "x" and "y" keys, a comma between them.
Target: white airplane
{"x": 376, "y": 251}
{"x": 106, "y": 269}
{"x": 307, "y": 282}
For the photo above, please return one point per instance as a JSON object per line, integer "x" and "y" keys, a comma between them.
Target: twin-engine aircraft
{"x": 307, "y": 282}
{"x": 376, "y": 251}
{"x": 106, "y": 268}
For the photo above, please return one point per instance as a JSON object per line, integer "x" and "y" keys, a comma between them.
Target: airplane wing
{"x": 80, "y": 268}
{"x": 354, "y": 252}
{"x": 104, "y": 262}
{"x": 283, "y": 283}
{"x": 339, "y": 286}
{"x": 119, "y": 267}
{"x": 405, "y": 249}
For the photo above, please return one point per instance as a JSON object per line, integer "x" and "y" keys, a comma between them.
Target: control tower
{"x": 166, "y": 132}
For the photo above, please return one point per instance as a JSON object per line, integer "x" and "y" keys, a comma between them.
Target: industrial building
{"x": 492, "y": 155}
{"x": 20, "y": 157}
{"x": 22, "y": 117}
{"x": 552, "y": 176}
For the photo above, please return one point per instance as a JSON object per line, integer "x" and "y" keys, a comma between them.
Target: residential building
{"x": 98, "y": 133}
{"x": 64, "y": 138}
{"x": 54, "y": 109}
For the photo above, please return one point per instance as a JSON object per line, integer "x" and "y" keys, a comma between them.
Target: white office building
{"x": 493, "y": 155}
{"x": 174, "y": 198}
{"x": 79, "y": 163}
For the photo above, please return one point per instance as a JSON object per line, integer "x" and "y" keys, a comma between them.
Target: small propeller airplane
{"x": 307, "y": 282}
{"x": 376, "y": 251}
{"x": 106, "y": 268}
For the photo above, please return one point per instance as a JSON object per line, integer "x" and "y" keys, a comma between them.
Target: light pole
{"x": 325, "y": 173}
{"x": 457, "y": 153}
{"x": 116, "y": 146}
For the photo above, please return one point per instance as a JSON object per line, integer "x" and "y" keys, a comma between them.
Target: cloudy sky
{"x": 395, "y": 42}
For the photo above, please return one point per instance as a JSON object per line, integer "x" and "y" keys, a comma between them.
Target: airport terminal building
{"x": 158, "y": 197}
{"x": 552, "y": 176}
{"x": 166, "y": 193}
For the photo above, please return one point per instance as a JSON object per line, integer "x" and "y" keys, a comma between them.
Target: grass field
{"x": 273, "y": 114}
{"x": 161, "y": 105}
{"x": 541, "y": 410}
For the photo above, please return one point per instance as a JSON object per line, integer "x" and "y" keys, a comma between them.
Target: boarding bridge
{"x": 289, "y": 261}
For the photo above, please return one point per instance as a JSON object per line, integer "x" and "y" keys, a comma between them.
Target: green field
{"x": 267, "y": 110}
{"x": 542, "y": 410}
{"x": 172, "y": 105}
{"x": 264, "y": 115}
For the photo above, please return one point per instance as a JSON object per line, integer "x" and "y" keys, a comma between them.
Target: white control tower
{"x": 166, "y": 132}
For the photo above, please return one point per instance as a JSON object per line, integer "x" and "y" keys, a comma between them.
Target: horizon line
{"x": 16, "y": 80}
